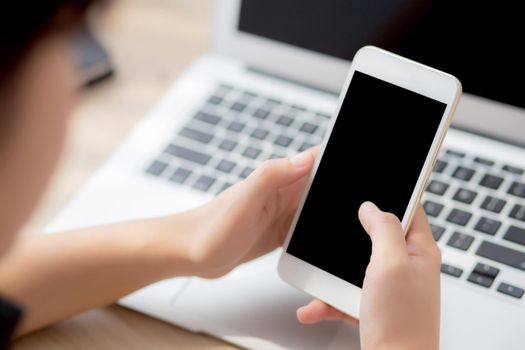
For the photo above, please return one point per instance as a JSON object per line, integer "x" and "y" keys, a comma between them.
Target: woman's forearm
{"x": 56, "y": 276}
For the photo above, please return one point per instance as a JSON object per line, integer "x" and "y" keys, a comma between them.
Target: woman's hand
{"x": 249, "y": 219}
{"x": 98, "y": 265}
{"x": 400, "y": 303}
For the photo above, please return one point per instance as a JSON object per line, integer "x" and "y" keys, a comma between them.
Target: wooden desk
{"x": 152, "y": 42}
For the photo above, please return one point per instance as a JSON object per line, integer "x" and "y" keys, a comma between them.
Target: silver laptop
{"x": 268, "y": 89}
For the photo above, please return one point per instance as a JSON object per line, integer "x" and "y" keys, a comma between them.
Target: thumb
{"x": 279, "y": 173}
{"x": 385, "y": 231}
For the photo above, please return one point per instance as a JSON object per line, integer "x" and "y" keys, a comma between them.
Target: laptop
{"x": 268, "y": 89}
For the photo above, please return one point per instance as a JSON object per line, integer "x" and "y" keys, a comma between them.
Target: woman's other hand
{"x": 400, "y": 304}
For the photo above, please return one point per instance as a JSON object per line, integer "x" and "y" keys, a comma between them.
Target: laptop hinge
{"x": 489, "y": 136}
{"x": 291, "y": 81}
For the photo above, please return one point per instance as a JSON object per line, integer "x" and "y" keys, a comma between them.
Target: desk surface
{"x": 151, "y": 42}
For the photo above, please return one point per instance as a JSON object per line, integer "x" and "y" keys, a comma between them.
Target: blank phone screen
{"x": 376, "y": 153}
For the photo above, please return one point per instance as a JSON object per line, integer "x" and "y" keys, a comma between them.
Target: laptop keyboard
{"x": 232, "y": 133}
{"x": 475, "y": 205}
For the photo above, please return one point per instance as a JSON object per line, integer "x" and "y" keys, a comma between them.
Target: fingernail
{"x": 301, "y": 160}
{"x": 369, "y": 207}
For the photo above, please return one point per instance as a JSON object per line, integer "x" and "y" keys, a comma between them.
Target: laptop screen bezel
{"x": 479, "y": 114}
{"x": 288, "y": 61}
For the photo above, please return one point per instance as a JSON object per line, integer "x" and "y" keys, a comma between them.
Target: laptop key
{"x": 187, "y": 154}
{"x": 285, "y": 120}
{"x": 440, "y": 166}
{"x": 251, "y": 152}
{"x": 261, "y": 113}
{"x": 283, "y": 141}
{"x": 480, "y": 279}
{"x": 224, "y": 187}
{"x": 465, "y": 196}
{"x": 460, "y": 241}
{"x": 518, "y": 213}
{"x": 204, "y": 183}
{"x": 459, "y": 217}
{"x": 246, "y": 172}
{"x": 225, "y": 166}
{"x": 451, "y": 270}
{"x": 207, "y": 118}
{"x": 273, "y": 101}
{"x": 323, "y": 115}
{"x": 259, "y": 134}
{"x": 455, "y": 153}
{"x": 488, "y": 226}
{"x": 157, "y": 168}
{"x": 236, "y": 126}
{"x": 501, "y": 254}
{"x": 491, "y": 181}
{"x": 249, "y": 94}
{"x": 511, "y": 290}
{"x": 305, "y": 146}
{"x": 228, "y": 145}
{"x": 308, "y": 128}
{"x": 437, "y": 231}
{"x": 483, "y": 161}
{"x": 196, "y": 135}
{"x": 215, "y": 100}
{"x": 180, "y": 175}
{"x": 517, "y": 189}
{"x": 276, "y": 156}
{"x": 238, "y": 107}
{"x": 515, "y": 234}
{"x": 432, "y": 209}
{"x": 297, "y": 108}
{"x": 463, "y": 173}
{"x": 513, "y": 169}
{"x": 437, "y": 187}
{"x": 486, "y": 270}
{"x": 493, "y": 204}
{"x": 226, "y": 87}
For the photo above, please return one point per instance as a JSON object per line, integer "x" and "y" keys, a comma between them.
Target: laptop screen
{"x": 480, "y": 43}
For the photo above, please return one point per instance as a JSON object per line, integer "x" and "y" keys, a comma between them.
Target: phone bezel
{"x": 404, "y": 73}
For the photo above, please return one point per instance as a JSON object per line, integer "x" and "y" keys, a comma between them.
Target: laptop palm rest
{"x": 252, "y": 307}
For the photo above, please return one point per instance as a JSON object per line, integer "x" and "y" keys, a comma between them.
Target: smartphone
{"x": 384, "y": 138}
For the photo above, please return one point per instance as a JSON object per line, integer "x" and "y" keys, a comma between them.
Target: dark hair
{"x": 24, "y": 23}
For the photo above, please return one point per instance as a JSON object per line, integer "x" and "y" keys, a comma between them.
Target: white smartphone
{"x": 391, "y": 119}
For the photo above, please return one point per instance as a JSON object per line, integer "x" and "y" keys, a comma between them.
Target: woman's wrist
{"x": 178, "y": 245}
{"x": 416, "y": 342}
{"x": 193, "y": 241}
{"x": 164, "y": 245}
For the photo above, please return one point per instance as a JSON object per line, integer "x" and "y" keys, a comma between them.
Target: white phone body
{"x": 411, "y": 76}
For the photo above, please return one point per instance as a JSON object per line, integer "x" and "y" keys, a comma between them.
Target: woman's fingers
{"x": 317, "y": 311}
{"x": 390, "y": 249}
{"x": 290, "y": 195}
{"x": 261, "y": 191}
{"x": 278, "y": 173}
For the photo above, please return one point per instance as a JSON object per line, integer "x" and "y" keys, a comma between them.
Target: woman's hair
{"x": 26, "y": 22}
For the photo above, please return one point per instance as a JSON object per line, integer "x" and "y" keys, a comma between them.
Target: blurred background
{"x": 134, "y": 33}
